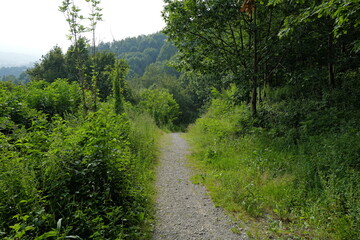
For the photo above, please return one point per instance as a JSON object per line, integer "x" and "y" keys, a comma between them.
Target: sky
{"x": 33, "y": 27}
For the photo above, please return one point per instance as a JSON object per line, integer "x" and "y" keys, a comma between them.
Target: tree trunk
{"x": 254, "y": 101}
{"x": 331, "y": 60}
{"x": 94, "y": 77}
{"x": 83, "y": 88}
{"x": 255, "y": 70}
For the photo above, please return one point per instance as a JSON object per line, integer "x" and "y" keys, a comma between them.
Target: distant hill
{"x": 16, "y": 59}
{"x": 15, "y": 71}
{"x": 141, "y": 51}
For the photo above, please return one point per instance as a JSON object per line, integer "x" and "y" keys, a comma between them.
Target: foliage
{"x": 214, "y": 37}
{"x": 15, "y": 112}
{"x": 52, "y": 66}
{"x": 296, "y": 166}
{"x": 118, "y": 75}
{"x": 140, "y": 51}
{"x": 56, "y": 65}
{"x": 68, "y": 176}
{"x": 167, "y": 51}
{"x": 160, "y": 105}
{"x": 58, "y": 97}
{"x": 344, "y": 14}
{"x": 105, "y": 61}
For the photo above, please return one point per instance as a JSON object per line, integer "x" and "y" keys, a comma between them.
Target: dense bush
{"x": 58, "y": 97}
{"x": 68, "y": 176}
{"x": 160, "y": 105}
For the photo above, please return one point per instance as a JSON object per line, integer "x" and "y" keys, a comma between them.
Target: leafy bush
{"x": 58, "y": 97}
{"x": 14, "y": 110}
{"x": 160, "y": 105}
{"x": 73, "y": 177}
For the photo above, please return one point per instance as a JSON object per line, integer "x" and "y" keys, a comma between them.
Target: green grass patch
{"x": 308, "y": 189}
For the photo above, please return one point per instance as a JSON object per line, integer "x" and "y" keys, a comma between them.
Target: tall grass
{"x": 145, "y": 136}
{"x": 303, "y": 189}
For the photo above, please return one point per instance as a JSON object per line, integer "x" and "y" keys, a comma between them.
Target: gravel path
{"x": 184, "y": 210}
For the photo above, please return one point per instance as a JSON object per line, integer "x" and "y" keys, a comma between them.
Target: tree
{"x": 71, "y": 60}
{"x": 161, "y": 106}
{"x": 94, "y": 18}
{"x": 50, "y": 67}
{"x": 74, "y": 18}
{"x": 105, "y": 62}
{"x": 215, "y": 37}
{"x": 166, "y": 52}
{"x": 121, "y": 69}
{"x": 24, "y": 78}
{"x": 337, "y": 23}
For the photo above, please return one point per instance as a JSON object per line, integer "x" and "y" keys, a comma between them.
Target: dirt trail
{"x": 184, "y": 210}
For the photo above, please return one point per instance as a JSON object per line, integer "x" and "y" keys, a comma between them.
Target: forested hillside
{"x": 16, "y": 71}
{"x": 14, "y": 74}
{"x": 141, "y": 51}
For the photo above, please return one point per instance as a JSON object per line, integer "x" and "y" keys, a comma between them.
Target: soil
{"x": 184, "y": 210}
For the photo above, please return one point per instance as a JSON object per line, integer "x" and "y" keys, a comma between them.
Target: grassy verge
{"x": 147, "y": 138}
{"x": 281, "y": 189}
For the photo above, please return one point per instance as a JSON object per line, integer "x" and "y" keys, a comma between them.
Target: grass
{"x": 279, "y": 189}
{"x": 148, "y": 137}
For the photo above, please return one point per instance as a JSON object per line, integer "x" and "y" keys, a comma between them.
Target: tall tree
{"x": 76, "y": 29}
{"x": 216, "y": 37}
{"x": 338, "y": 21}
{"x": 94, "y": 18}
{"x": 50, "y": 67}
{"x": 104, "y": 64}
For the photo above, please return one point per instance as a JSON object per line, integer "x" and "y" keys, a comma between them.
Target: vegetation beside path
{"x": 302, "y": 186}
{"x": 65, "y": 175}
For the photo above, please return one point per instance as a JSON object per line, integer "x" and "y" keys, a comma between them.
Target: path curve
{"x": 184, "y": 210}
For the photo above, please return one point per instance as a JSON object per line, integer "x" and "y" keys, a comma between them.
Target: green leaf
{"x": 29, "y": 228}
{"x": 16, "y": 227}
{"x": 47, "y": 235}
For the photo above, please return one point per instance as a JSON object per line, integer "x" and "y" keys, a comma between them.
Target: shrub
{"x": 160, "y": 105}
{"x": 14, "y": 110}
{"x": 79, "y": 178}
{"x": 58, "y": 97}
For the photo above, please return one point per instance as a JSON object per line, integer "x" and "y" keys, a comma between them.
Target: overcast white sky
{"x": 35, "y": 26}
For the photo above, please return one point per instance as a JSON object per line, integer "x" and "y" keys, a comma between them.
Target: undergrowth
{"x": 283, "y": 181}
{"x": 66, "y": 176}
